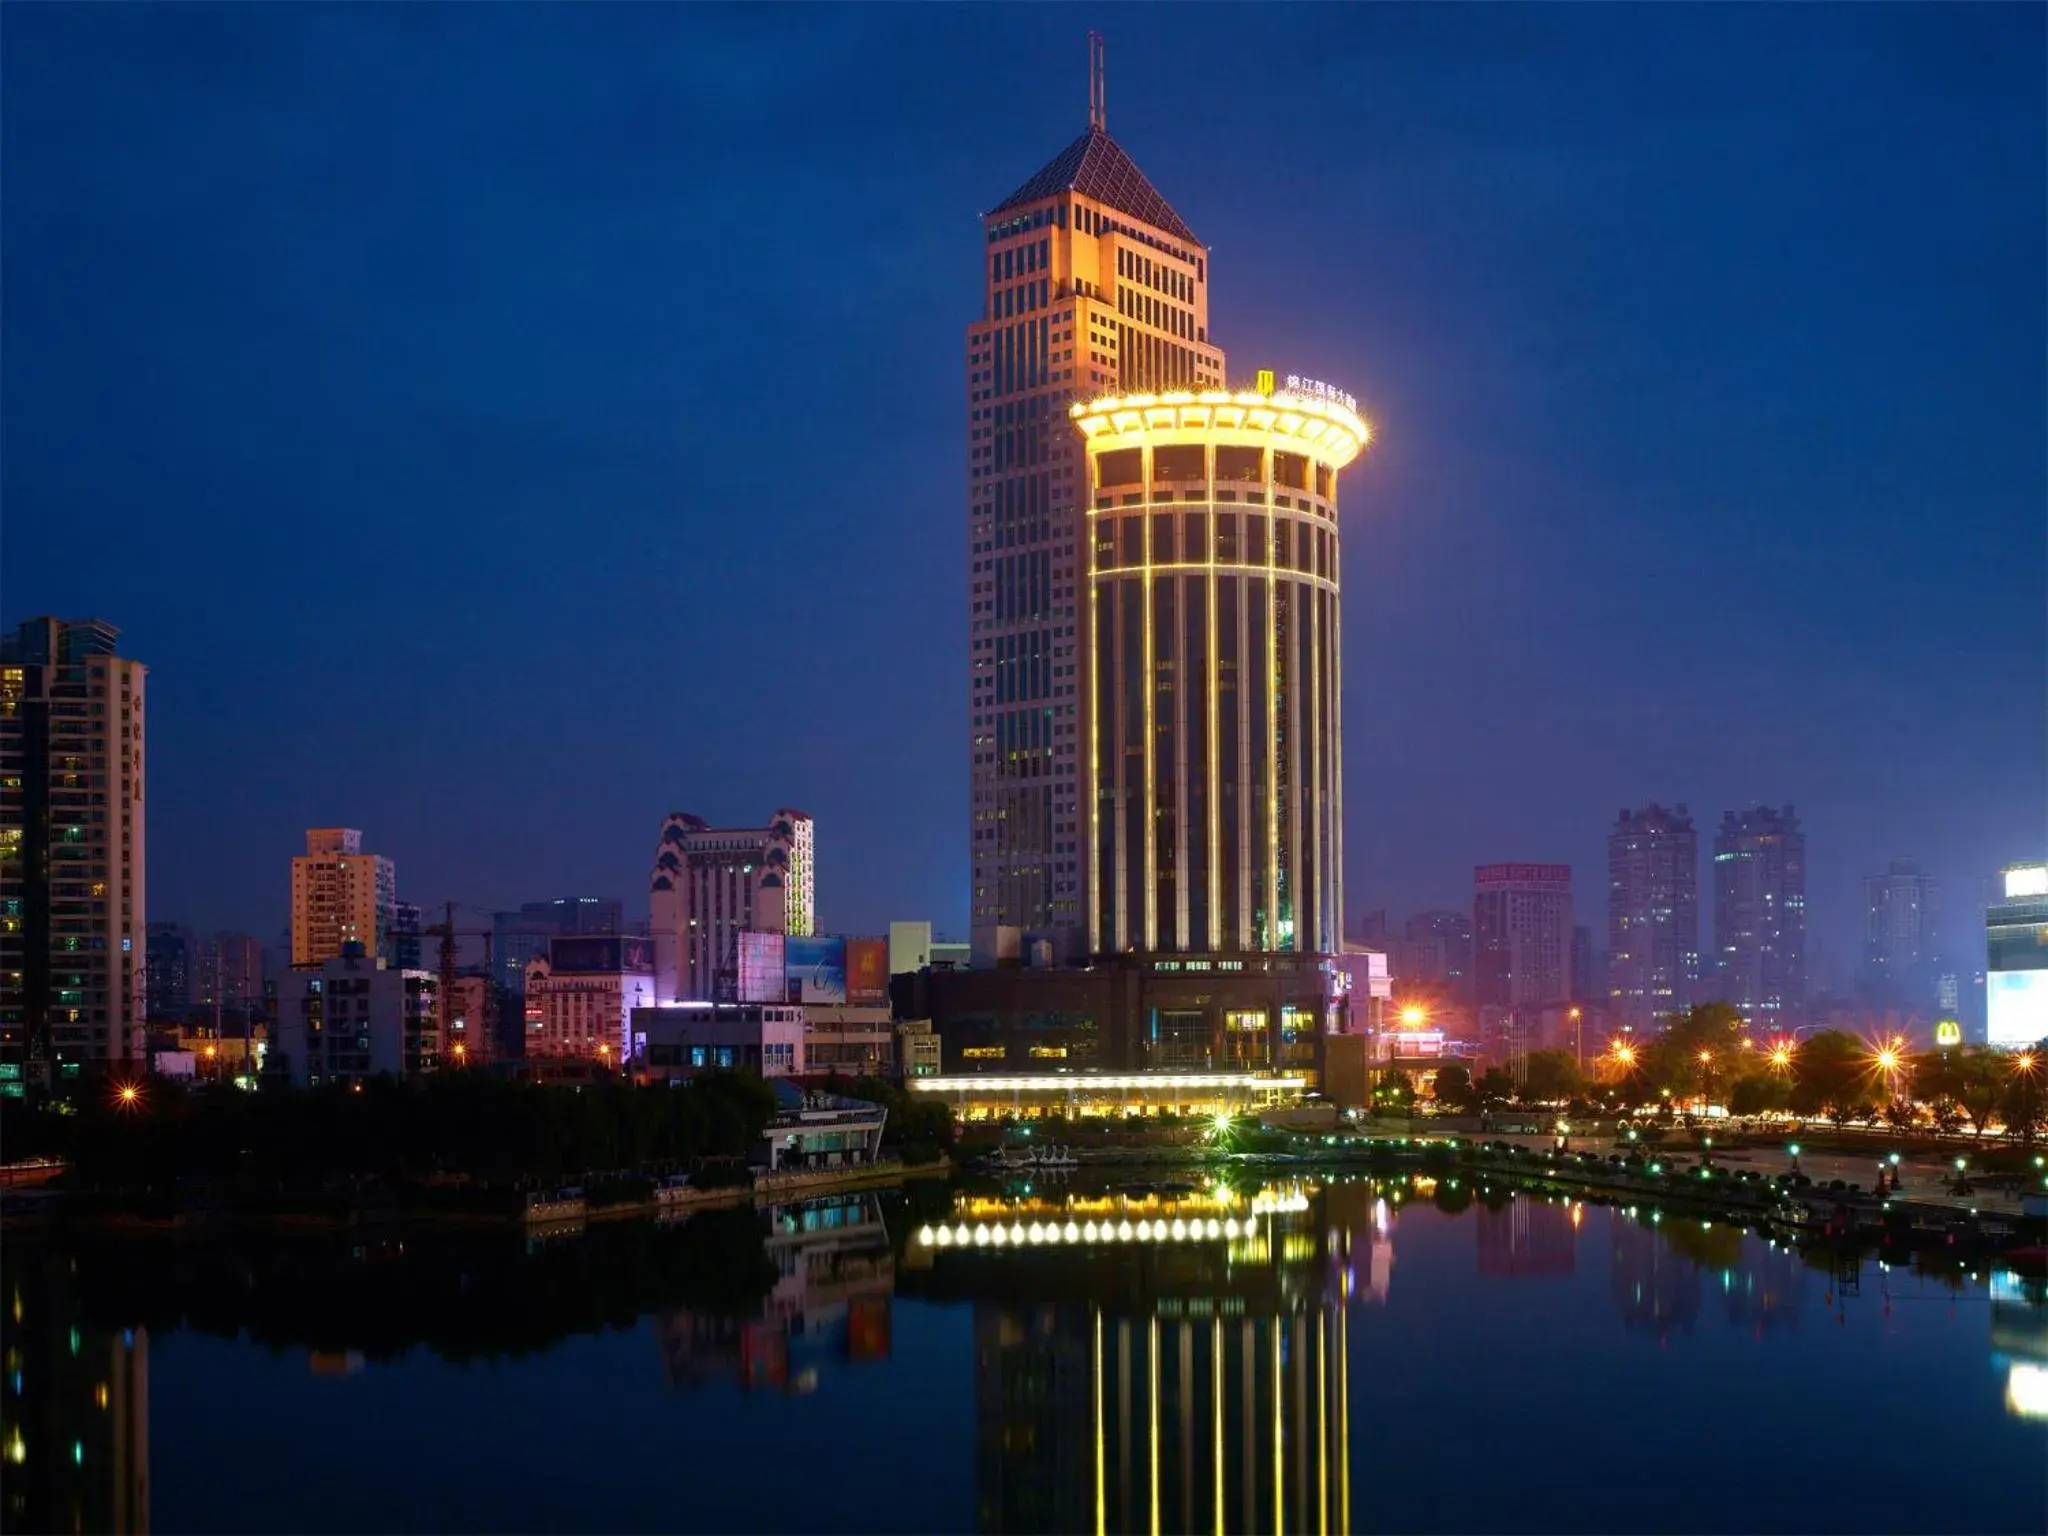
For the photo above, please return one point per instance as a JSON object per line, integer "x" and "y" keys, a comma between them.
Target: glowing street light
{"x": 1624, "y": 1053}
{"x": 2024, "y": 1062}
{"x": 1414, "y": 1016}
{"x": 128, "y": 1094}
{"x": 1781, "y": 1054}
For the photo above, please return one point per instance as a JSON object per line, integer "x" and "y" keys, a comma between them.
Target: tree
{"x": 1759, "y": 1092}
{"x": 1551, "y": 1075}
{"x": 2024, "y": 1107}
{"x": 1395, "y": 1091}
{"x": 1453, "y": 1085}
{"x": 1831, "y": 1076}
{"x": 1672, "y": 1059}
{"x": 1494, "y": 1087}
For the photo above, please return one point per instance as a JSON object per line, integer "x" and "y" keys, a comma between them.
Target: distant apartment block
{"x": 1653, "y": 915}
{"x": 1902, "y": 940}
{"x": 1760, "y": 913}
{"x": 1522, "y": 936}
{"x": 518, "y": 937}
{"x": 230, "y": 971}
{"x": 172, "y": 966}
{"x": 341, "y": 896}
{"x": 1435, "y": 948}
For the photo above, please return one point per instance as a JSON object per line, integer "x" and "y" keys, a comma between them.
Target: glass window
{"x": 1226, "y": 536}
{"x": 1163, "y": 551}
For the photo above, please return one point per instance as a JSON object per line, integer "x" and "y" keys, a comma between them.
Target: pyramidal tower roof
{"x": 1095, "y": 166}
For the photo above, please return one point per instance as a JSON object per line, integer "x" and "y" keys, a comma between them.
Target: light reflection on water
{"x": 1289, "y": 1355}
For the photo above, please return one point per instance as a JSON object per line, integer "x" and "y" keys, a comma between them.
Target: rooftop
{"x": 1096, "y": 167}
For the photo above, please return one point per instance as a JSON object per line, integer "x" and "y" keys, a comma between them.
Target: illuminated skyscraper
{"x": 1093, "y": 285}
{"x": 1211, "y": 759}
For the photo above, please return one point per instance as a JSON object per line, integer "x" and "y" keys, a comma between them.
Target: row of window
{"x": 1178, "y": 538}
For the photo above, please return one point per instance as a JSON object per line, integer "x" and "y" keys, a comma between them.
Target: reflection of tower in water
{"x": 74, "y": 1412}
{"x": 1196, "y": 1386}
{"x": 1190, "y": 1418}
{"x": 1654, "y": 1286}
{"x": 1526, "y": 1238}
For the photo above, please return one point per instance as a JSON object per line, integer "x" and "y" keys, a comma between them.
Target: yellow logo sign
{"x": 1265, "y": 381}
{"x": 1948, "y": 1032}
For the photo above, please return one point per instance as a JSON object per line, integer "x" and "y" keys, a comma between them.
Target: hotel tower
{"x": 1153, "y": 593}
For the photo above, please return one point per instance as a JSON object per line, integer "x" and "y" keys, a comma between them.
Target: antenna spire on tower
{"x": 1098, "y": 100}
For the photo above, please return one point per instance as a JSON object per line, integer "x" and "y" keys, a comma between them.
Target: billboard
{"x": 600, "y": 952}
{"x": 867, "y": 971}
{"x": 2015, "y": 1008}
{"x": 761, "y": 969}
{"x": 816, "y": 969}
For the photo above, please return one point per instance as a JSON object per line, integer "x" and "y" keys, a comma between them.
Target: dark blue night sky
{"x": 498, "y": 426}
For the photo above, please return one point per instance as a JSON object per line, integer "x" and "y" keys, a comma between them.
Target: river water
{"x": 1301, "y": 1355}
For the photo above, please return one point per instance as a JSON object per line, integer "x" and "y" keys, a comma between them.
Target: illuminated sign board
{"x": 2026, "y": 880}
{"x": 1535, "y": 874}
{"x": 1948, "y": 1032}
{"x": 1265, "y": 382}
{"x": 2016, "y": 1008}
{"x": 1317, "y": 389}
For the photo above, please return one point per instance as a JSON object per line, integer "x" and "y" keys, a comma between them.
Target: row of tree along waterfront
{"x": 1707, "y": 1055}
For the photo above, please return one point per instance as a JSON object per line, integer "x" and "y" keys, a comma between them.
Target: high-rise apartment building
{"x": 1760, "y": 913}
{"x": 1521, "y": 936}
{"x": 74, "y": 941}
{"x": 711, "y": 884}
{"x": 341, "y": 896}
{"x": 1092, "y": 285}
{"x": 521, "y": 936}
{"x": 1902, "y": 939}
{"x": 1653, "y": 916}
{"x": 1211, "y": 763}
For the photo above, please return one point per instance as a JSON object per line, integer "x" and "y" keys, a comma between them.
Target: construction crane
{"x": 448, "y": 934}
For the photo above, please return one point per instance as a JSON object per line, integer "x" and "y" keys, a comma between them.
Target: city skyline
{"x": 1869, "y": 666}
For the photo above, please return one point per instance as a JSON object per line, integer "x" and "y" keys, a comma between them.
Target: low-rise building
{"x": 580, "y": 1000}
{"x": 917, "y": 1049}
{"x": 354, "y": 1017}
{"x": 852, "y": 1040}
{"x": 820, "y": 1130}
{"x": 674, "y": 1040}
{"x": 468, "y": 1013}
